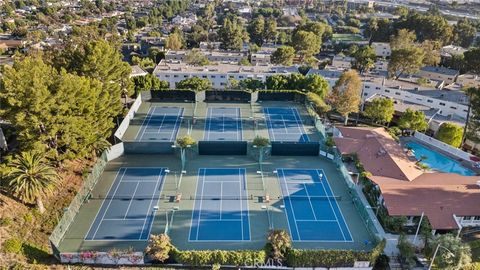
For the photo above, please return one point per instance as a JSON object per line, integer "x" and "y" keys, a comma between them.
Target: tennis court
{"x": 221, "y": 208}
{"x": 312, "y": 210}
{"x": 160, "y": 124}
{"x": 127, "y": 212}
{"x": 285, "y": 124}
{"x": 223, "y": 124}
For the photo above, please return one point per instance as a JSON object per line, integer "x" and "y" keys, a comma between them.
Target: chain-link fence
{"x": 74, "y": 207}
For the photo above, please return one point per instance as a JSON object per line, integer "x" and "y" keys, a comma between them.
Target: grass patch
{"x": 12, "y": 245}
{"x": 475, "y": 246}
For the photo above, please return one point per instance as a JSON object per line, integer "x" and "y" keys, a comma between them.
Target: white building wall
{"x": 446, "y": 108}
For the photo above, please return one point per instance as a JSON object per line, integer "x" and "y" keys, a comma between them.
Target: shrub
{"x": 330, "y": 142}
{"x": 12, "y": 245}
{"x": 224, "y": 257}
{"x": 279, "y": 243}
{"x": 318, "y": 103}
{"x": 395, "y": 224}
{"x": 159, "y": 247}
{"x": 185, "y": 141}
{"x": 261, "y": 141}
{"x": 382, "y": 262}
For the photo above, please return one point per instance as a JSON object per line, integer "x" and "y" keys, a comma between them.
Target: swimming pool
{"x": 438, "y": 161}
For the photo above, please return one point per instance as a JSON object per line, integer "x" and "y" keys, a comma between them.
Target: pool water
{"x": 438, "y": 161}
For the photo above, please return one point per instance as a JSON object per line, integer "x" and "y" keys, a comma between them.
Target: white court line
{"x": 207, "y": 124}
{"x": 109, "y": 203}
{"x": 221, "y": 200}
{"x": 291, "y": 205}
{"x": 123, "y": 219}
{"x": 296, "y": 113}
{"x": 315, "y": 220}
{"x": 161, "y": 122}
{"x": 175, "y": 127}
{"x": 338, "y": 206}
{"x": 222, "y": 220}
{"x": 93, "y": 221}
{"x": 331, "y": 206}
{"x": 269, "y": 123}
{"x": 241, "y": 203}
{"x": 160, "y": 180}
{"x": 200, "y": 208}
{"x": 151, "y": 114}
{"x": 310, "y": 201}
{"x": 143, "y": 124}
{"x": 131, "y": 200}
{"x": 284, "y": 124}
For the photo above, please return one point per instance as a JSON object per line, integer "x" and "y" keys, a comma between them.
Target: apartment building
{"x": 468, "y": 80}
{"x": 213, "y": 56}
{"x": 342, "y": 62}
{"x": 260, "y": 58}
{"x": 219, "y": 75}
{"x": 446, "y": 75}
{"x": 382, "y": 49}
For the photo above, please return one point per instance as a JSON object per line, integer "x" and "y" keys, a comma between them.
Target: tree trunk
{"x": 346, "y": 120}
{"x": 40, "y": 206}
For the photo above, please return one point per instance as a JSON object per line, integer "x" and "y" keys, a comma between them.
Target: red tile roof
{"x": 407, "y": 190}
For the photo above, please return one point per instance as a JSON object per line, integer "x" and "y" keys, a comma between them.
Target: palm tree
{"x": 31, "y": 177}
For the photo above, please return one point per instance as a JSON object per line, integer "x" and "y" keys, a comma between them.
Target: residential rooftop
{"x": 182, "y": 67}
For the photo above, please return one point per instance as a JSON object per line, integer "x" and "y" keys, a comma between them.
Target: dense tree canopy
{"x": 450, "y": 133}
{"x": 194, "y": 83}
{"x": 380, "y": 110}
{"x": 413, "y": 120}
{"x": 283, "y": 56}
{"x": 232, "y": 34}
{"x": 345, "y": 96}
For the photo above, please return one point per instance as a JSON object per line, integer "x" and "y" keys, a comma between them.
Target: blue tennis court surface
{"x": 221, "y": 209}
{"x": 160, "y": 124}
{"x": 223, "y": 124}
{"x": 127, "y": 212}
{"x": 312, "y": 210}
{"x": 285, "y": 124}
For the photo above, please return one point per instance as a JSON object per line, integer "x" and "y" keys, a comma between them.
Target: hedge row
{"x": 223, "y": 257}
{"x": 331, "y": 258}
{"x": 294, "y": 257}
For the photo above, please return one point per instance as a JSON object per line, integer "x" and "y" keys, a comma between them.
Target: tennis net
{"x": 169, "y": 197}
{"x": 313, "y": 198}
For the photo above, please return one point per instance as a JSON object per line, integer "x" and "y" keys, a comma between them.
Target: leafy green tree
{"x": 380, "y": 110}
{"x": 472, "y": 60}
{"x": 174, "y": 41}
{"x": 364, "y": 59}
{"x": 345, "y": 95}
{"x": 244, "y": 62}
{"x": 464, "y": 33}
{"x": 270, "y": 32}
{"x": 450, "y": 133}
{"x": 452, "y": 253}
{"x": 404, "y": 39}
{"x": 31, "y": 178}
{"x": 321, "y": 30}
{"x": 306, "y": 44}
{"x": 251, "y": 84}
{"x": 256, "y": 30}
{"x": 232, "y": 34}
{"x": 405, "y": 61}
{"x": 277, "y": 82}
{"x": 413, "y": 120}
{"x": 196, "y": 57}
{"x": 473, "y": 125}
{"x": 316, "y": 84}
{"x": 431, "y": 52}
{"x": 283, "y": 56}
{"x": 37, "y": 100}
{"x": 407, "y": 251}
{"x": 148, "y": 82}
{"x": 194, "y": 83}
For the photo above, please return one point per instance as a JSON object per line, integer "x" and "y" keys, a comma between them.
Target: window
{"x": 231, "y": 76}
{"x": 467, "y": 218}
{"x": 397, "y": 93}
{"x": 167, "y": 76}
{"x": 387, "y": 91}
{"x": 429, "y": 101}
{"x": 213, "y": 76}
{"x": 378, "y": 88}
{"x": 223, "y": 76}
{"x": 442, "y": 104}
{"x": 240, "y": 77}
{"x": 477, "y": 218}
{"x": 204, "y": 76}
{"x": 366, "y": 94}
{"x": 367, "y": 86}
{"x": 175, "y": 76}
{"x": 451, "y": 107}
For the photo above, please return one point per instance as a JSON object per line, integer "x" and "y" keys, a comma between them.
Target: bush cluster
{"x": 12, "y": 245}
{"x": 223, "y": 257}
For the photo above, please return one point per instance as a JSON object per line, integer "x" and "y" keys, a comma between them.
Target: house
{"x": 219, "y": 74}
{"x": 382, "y": 49}
{"x": 446, "y": 75}
{"x": 260, "y": 58}
{"x": 449, "y": 200}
